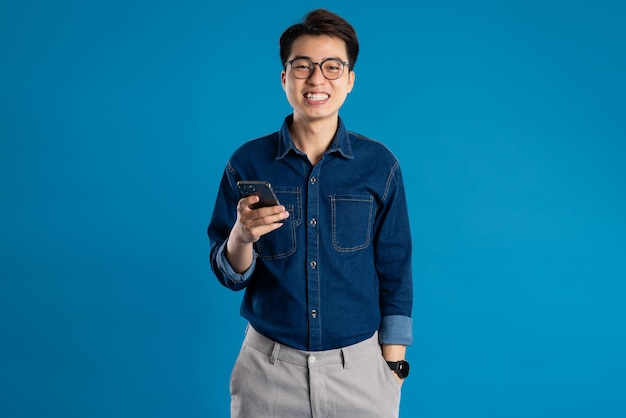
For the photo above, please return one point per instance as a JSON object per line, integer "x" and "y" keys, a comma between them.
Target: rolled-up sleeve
{"x": 232, "y": 279}
{"x": 393, "y": 264}
{"x": 396, "y": 329}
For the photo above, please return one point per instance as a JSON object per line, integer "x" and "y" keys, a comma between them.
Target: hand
{"x": 400, "y": 380}
{"x": 393, "y": 352}
{"x": 252, "y": 224}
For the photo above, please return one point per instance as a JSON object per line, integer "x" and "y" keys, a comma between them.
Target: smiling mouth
{"x": 316, "y": 97}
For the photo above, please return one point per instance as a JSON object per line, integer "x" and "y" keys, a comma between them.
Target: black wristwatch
{"x": 400, "y": 367}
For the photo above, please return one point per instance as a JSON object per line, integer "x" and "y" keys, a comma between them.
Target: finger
{"x": 256, "y": 229}
{"x": 246, "y": 202}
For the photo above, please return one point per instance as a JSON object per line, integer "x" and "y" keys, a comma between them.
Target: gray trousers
{"x": 272, "y": 380}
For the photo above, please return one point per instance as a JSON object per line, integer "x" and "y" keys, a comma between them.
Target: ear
{"x": 351, "y": 78}
{"x": 283, "y": 78}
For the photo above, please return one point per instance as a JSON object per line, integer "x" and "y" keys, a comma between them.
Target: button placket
{"x": 312, "y": 247}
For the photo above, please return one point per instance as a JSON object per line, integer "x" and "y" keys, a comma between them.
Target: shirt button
{"x": 313, "y": 222}
{"x": 312, "y": 359}
{"x": 313, "y": 264}
{"x": 313, "y": 180}
{"x": 314, "y": 313}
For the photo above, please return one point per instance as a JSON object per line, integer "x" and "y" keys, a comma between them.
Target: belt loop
{"x": 275, "y": 353}
{"x": 345, "y": 358}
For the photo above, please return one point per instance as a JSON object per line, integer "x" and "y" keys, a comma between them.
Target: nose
{"x": 316, "y": 76}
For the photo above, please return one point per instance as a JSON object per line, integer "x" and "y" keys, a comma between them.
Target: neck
{"x": 313, "y": 137}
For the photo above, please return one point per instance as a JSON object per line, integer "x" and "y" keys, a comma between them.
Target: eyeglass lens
{"x": 303, "y": 68}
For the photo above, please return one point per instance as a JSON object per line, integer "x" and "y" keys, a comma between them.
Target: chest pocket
{"x": 351, "y": 222}
{"x": 282, "y": 242}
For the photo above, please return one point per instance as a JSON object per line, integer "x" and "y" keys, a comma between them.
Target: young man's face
{"x": 317, "y": 98}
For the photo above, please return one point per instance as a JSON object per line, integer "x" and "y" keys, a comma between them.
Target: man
{"x": 327, "y": 272}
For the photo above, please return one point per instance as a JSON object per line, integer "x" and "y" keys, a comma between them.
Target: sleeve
{"x": 393, "y": 258}
{"x": 229, "y": 277}
{"x": 222, "y": 219}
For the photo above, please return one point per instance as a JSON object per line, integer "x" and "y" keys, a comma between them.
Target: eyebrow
{"x": 323, "y": 59}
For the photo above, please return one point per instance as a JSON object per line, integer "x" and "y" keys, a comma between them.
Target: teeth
{"x": 311, "y": 96}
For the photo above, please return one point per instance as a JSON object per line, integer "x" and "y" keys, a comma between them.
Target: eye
{"x": 333, "y": 66}
{"x": 301, "y": 64}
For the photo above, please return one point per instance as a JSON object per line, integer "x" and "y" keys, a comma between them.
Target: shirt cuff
{"x": 396, "y": 330}
{"x": 231, "y": 275}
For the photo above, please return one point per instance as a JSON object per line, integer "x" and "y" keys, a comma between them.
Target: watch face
{"x": 400, "y": 367}
{"x": 403, "y": 369}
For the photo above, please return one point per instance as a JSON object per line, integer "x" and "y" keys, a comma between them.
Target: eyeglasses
{"x": 303, "y": 68}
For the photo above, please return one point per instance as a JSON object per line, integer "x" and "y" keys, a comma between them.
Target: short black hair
{"x": 321, "y": 22}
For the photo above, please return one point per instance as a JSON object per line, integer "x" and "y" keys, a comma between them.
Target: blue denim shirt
{"x": 340, "y": 267}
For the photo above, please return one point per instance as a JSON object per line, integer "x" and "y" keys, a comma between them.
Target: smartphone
{"x": 263, "y": 189}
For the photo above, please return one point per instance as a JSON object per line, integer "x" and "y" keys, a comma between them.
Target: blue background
{"x": 116, "y": 120}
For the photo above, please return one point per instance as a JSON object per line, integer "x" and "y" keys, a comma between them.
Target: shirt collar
{"x": 340, "y": 144}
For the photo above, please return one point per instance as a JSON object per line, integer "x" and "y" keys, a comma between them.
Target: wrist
{"x": 239, "y": 255}
{"x": 394, "y": 352}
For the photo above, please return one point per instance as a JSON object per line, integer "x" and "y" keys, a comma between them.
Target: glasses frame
{"x": 313, "y": 64}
